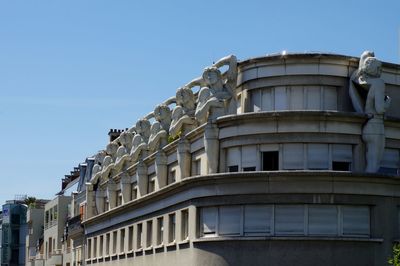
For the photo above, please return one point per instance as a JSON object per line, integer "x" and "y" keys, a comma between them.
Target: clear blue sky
{"x": 71, "y": 70}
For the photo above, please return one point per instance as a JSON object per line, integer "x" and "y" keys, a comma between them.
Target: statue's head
{"x": 212, "y": 75}
{"x": 126, "y": 138}
{"x": 143, "y": 128}
{"x": 162, "y": 112}
{"x": 185, "y": 98}
{"x": 372, "y": 67}
{"x": 111, "y": 148}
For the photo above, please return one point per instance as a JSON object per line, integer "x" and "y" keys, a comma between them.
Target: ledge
{"x": 287, "y": 238}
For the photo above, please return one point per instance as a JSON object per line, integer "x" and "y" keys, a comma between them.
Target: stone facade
{"x": 287, "y": 159}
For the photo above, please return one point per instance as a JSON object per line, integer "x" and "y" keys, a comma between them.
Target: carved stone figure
{"x": 159, "y": 129}
{"x": 98, "y": 162}
{"x": 139, "y": 142}
{"x": 366, "y": 80}
{"x": 217, "y": 95}
{"x": 183, "y": 114}
{"x": 109, "y": 160}
{"x": 123, "y": 151}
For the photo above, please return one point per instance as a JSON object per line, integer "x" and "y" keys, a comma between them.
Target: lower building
{"x": 14, "y": 230}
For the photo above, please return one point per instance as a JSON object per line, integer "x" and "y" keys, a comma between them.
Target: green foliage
{"x": 395, "y": 259}
{"x": 171, "y": 139}
{"x": 31, "y": 202}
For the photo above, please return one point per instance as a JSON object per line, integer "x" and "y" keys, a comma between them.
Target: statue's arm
{"x": 381, "y": 101}
{"x": 195, "y": 82}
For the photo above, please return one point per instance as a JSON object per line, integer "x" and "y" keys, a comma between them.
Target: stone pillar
{"x": 100, "y": 198}
{"x": 184, "y": 158}
{"x": 161, "y": 169}
{"x": 211, "y": 146}
{"x": 90, "y": 202}
{"x": 142, "y": 180}
{"x": 126, "y": 189}
{"x": 112, "y": 194}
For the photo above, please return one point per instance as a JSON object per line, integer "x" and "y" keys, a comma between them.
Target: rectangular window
{"x": 229, "y": 220}
{"x": 256, "y": 100}
{"x": 184, "y": 225}
{"x": 108, "y": 244}
{"x": 270, "y": 161}
{"x": 342, "y": 157}
{"x": 171, "y": 176}
{"x": 280, "y": 98}
{"x": 355, "y": 220}
{"x": 171, "y": 229}
{"x": 160, "y": 230}
{"x": 257, "y": 219}
{"x": 249, "y": 169}
{"x": 196, "y": 167}
{"x": 130, "y": 238}
{"x": 122, "y": 241}
{"x": 208, "y": 217}
{"x": 293, "y": 156}
{"x": 233, "y": 157}
{"x": 317, "y": 156}
{"x": 266, "y": 100}
{"x": 249, "y": 157}
{"x": 94, "y": 247}
{"x": 149, "y": 235}
{"x": 101, "y": 245}
{"x": 152, "y": 183}
{"x": 139, "y": 236}
{"x": 233, "y": 168}
{"x": 89, "y": 249}
{"x": 289, "y": 219}
{"x": 134, "y": 191}
{"x": 390, "y": 162}
{"x": 322, "y": 220}
{"x": 313, "y": 94}
{"x": 114, "y": 243}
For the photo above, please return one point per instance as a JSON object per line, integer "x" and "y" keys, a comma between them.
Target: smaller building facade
{"x": 14, "y": 229}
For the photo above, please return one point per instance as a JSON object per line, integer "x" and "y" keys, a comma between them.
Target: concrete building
{"x": 286, "y": 159}
{"x": 55, "y": 213}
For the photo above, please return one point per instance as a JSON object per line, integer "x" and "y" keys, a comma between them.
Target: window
{"x": 122, "y": 241}
{"x": 257, "y": 219}
{"x": 107, "y": 244}
{"x": 89, "y": 249}
{"x": 285, "y": 220}
{"x": 101, "y": 245}
{"x": 171, "y": 176}
{"x": 160, "y": 230}
{"x": 317, "y": 156}
{"x": 196, "y": 167}
{"x": 149, "y": 235}
{"x": 171, "y": 229}
{"x": 95, "y": 247}
{"x": 270, "y": 160}
{"x": 114, "y": 242}
{"x": 152, "y": 183}
{"x": 289, "y": 219}
{"x": 130, "y": 238}
{"x": 139, "y": 236}
{"x": 229, "y": 220}
{"x": 313, "y": 96}
{"x": 249, "y": 157}
{"x": 233, "y": 168}
{"x": 280, "y": 98}
{"x": 342, "y": 156}
{"x": 134, "y": 191}
{"x": 293, "y": 156}
{"x": 184, "y": 225}
{"x": 233, "y": 157}
{"x": 322, "y": 220}
{"x": 208, "y": 217}
{"x": 355, "y": 220}
{"x": 390, "y": 162}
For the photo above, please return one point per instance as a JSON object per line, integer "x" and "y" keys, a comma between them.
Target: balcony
{"x": 74, "y": 227}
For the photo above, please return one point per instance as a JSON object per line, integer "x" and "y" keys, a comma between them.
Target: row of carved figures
{"x": 216, "y": 97}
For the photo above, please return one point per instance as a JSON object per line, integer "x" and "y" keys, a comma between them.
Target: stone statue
{"x": 123, "y": 151}
{"x": 159, "y": 129}
{"x": 139, "y": 142}
{"x": 217, "y": 95}
{"x": 367, "y": 80}
{"x": 97, "y": 167}
{"x": 183, "y": 114}
{"x": 108, "y": 163}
